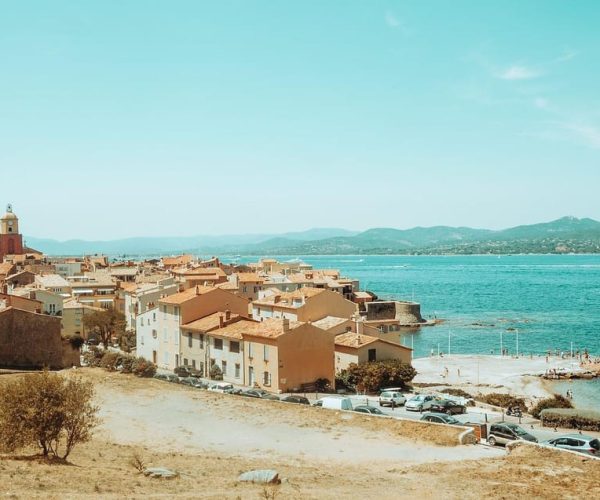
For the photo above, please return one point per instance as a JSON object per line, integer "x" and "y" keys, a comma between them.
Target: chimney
{"x": 227, "y": 315}
{"x": 286, "y": 324}
{"x": 221, "y": 321}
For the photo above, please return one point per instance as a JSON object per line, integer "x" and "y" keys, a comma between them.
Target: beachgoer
{"x": 431, "y": 353}
{"x": 458, "y": 371}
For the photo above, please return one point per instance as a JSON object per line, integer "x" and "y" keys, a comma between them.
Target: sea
{"x": 528, "y": 304}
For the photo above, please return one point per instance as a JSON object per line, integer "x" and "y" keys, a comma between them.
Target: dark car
{"x": 199, "y": 384}
{"x": 187, "y": 371}
{"x": 172, "y": 378}
{"x": 188, "y": 381}
{"x": 253, "y": 393}
{"x": 440, "y": 418}
{"x": 296, "y": 399}
{"x": 371, "y": 410}
{"x": 160, "y": 376}
{"x": 505, "y": 432}
{"x": 447, "y": 406}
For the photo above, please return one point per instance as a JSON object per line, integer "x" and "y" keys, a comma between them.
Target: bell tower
{"x": 11, "y": 241}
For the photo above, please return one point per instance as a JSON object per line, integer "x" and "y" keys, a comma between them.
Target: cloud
{"x": 518, "y": 72}
{"x": 588, "y": 134}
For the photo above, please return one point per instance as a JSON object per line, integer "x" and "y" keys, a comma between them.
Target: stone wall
{"x": 30, "y": 340}
{"x": 407, "y": 313}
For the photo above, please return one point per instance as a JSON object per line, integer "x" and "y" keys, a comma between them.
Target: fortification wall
{"x": 30, "y": 340}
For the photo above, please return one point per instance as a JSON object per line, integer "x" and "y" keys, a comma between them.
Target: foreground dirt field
{"x": 150, "y": 418}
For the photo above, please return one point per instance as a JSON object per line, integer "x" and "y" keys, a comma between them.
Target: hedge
{"x": 571, "y": 418}
{"x": 556, "y": 401}
{"x": 503, "y": 400}
{"x": 125, "y": 363}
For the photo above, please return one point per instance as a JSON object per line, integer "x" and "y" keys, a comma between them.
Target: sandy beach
{"x": 484, "y": 374}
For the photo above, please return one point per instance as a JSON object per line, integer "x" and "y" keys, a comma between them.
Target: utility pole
{"x": 517, "y": 342}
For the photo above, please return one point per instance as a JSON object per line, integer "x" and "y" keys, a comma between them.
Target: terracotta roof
{"x": 227, "y": 286}
{"x": 287, "y": 298}
{"x": 6, "y": 267}
{"x": 329, "y": 322}
{"x": 201, "y": 271}
{"x": 249, "y": 277}
{"x": 190, "y": 293}
{"x": 355, "y": 341}
{"x": 269, "y": 328}
{"x": 209, "y": 322}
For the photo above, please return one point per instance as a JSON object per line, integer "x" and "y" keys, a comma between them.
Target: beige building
{"x": 352, "y": 347}
{"x": 96, "y": 289}
{"x": 73, "y": 313}
{"x": 280, "y": 355}
{"x": 304, "y": 304}
{"x": 186, "y": 307}
{"x": 249, "y": 285}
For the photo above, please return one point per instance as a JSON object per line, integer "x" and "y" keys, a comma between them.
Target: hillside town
{"x": 278, "y": 326}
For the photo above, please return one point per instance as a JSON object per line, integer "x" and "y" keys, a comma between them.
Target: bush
{"x": 457, "y": 392}
{"x": 76, "y": 341}
{"x": 48, "y": 411}
{"x": 93, "y": 356}
{"x": 109, "y": 361}
{"x": 216, "y": 373}
{"x": 570, "y": 418}
{"x": 503, "y": 400}
{"x": 143, "y": 368}
{"x": 556, "y": 401}
{"x": 373, "y": 375}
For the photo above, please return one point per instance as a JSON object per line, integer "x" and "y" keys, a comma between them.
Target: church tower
{"x": 11, "y": 241}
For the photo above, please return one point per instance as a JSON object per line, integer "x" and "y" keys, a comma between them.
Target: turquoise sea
{"x": 550, "y": 300}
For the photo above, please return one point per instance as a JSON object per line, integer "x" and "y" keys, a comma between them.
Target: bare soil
{"x": 319, "y": 453}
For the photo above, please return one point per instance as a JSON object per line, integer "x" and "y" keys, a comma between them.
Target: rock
{"x": 160, "y": 472}
{"x": 265, "y": 476}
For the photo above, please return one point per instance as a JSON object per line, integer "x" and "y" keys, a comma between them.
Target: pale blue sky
{"x": 132, "y": 118}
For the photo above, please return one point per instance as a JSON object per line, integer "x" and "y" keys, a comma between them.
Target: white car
{"x": 420, "y": 402}
{"x": 221, "y": 387}
{"x": 390, "y": 398}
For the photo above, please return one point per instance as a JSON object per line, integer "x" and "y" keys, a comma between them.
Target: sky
{"x": 180, "y": 118}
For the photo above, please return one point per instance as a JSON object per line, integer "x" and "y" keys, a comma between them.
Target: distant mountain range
{"x": 565, "y": 235}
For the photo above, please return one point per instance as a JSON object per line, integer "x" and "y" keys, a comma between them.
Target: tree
{"x": 373, "y": 375}
{"x": 215, "y": 373}
{"x": 107, "y": 324}
{"x": 48, "y": 411}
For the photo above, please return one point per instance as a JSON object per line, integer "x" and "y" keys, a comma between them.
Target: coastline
{"x": 484, "y": 374}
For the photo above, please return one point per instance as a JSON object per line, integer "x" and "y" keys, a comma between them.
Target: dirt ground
{"x": 201, "y": 435}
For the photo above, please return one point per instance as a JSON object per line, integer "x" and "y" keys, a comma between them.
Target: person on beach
{"x": 458, "y": 371}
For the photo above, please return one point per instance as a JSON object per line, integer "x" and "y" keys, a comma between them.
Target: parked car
{"x": 170, "y": 377}
{"x": 588, "y": 445}
{"x": 160, "y": 376}
{"x": 335, "y": 403}
{"x": 391, "y": 398}
{"x": 505, "y": 432}
{"x": 420, "y": 402}
{"x": 187, "y": 371}
{"x": 296, "y": 399}
{"x": 222, "y": 387}
{"x": 371, "y": 410}
{"x": 188, "y": 381}
{"x": 199, "y": 384}
{"x": 253, "y": 393}
{"x": 440, "y": 418}
{"x": 447, "y": 406}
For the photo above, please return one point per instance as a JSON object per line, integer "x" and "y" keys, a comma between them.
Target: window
{"x": 201, "y": 339}
{"x": 245, "y": 289}
{"x": 185, "y": 362}
{"x": 142, "y": 339}
{"x": 266, "y": 378}
{"x": 176, "y": 311}
{"x": 164, "y": 309}
{"x": 219, "y": 344}
{"x": 141, "y": 321}
{"x": 193, "y": 363}
{"x": 266, "y": 352}
{"x": 372, "y": 354}
{"x": 190, "y": 339}
{"x": 153, "y": 316}
{"x": 250, "y": 350}
{"x": 237, "y": 370}
{"x": 224, "y": 367}
{"x": 234, "y": 346}
{"x": 154, "y": 334}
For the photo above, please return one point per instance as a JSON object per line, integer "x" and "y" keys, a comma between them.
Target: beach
{"x": 487, "y": 373}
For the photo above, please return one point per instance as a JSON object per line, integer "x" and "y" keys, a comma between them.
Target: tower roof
{"x": 9, "y": 213}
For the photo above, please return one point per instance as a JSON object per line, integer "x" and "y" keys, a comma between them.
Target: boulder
{"x": 265, "y": 476}
{"x": 160, "y": 472}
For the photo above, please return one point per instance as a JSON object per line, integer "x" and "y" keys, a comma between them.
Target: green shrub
{"x": 125, "y": 363}
{"x": 109, "y": 361}
{"x": 93, "y": 356}
{"x": 457, "y": 392}
{"x": 571, "y": 418}
{"x": 373, "y": 375}
{"x": 216, "y": 373}
{"x": 503, "y": 400}
{"x": 143, "y": 368}
{"x": 556, "y": 401}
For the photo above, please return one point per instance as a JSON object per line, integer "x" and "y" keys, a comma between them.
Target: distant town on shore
{"x": 562, "y": 236}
